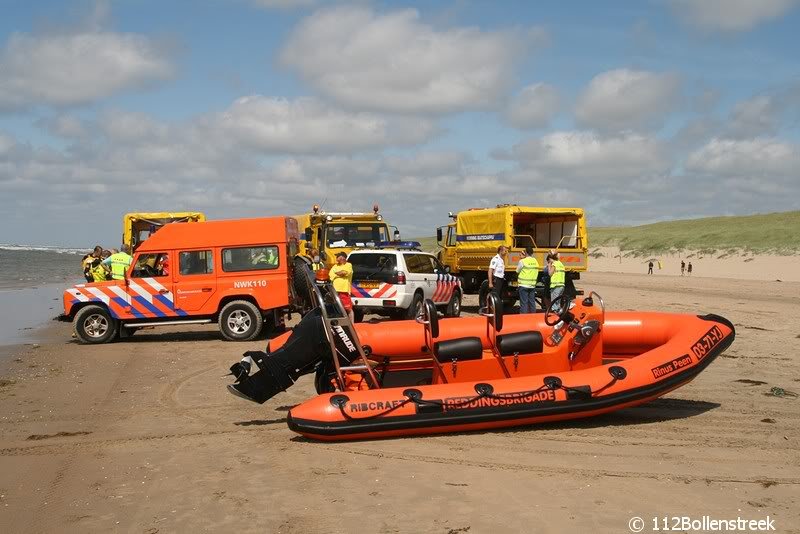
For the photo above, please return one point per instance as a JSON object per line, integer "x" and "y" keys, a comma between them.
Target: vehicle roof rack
{"x": 400, "y": 245}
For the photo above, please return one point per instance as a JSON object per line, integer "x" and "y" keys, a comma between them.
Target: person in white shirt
{"x": 497, "y": 271}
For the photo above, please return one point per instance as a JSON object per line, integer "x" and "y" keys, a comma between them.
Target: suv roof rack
{"x": 400, "y": 245}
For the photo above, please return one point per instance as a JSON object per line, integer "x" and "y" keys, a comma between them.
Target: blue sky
{"x": 635, "y": 111}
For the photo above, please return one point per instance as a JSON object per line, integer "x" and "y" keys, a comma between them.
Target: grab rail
{"x": 331, "y": 322}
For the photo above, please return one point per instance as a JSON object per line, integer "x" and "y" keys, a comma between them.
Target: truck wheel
{"x": 358, "y": 315}
{"x": 240, "y": 320}
{"x": 416, "y": 306}
{"x": 482, "y": 293}
{"x": 93, "y": 324}
{"x": 454, "y": 306}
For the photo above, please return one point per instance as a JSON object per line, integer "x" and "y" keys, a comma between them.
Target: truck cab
{"x": 235, "y": 273}
{"x": 331, "y": 233}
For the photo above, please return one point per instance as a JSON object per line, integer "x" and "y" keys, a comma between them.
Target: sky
{"x": 638, "y": 111}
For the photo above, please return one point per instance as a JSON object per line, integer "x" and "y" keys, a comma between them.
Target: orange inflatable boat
{"x": 477, "y": 373}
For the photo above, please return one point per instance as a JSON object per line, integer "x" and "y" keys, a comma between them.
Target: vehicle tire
{"x": 240, "y": 320}
{"x": 93, "y": 324}
{"x": 299, "y": 283}
{"x": 358, "y": 315}
{"x": 416, "y": 306}
{"x": 508, "y": 304}
{"x": 482, "y": 293}
{"x": 454, "y": 306}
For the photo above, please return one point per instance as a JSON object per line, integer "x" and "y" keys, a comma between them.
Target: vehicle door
{"x": 149, "y": 286}
{"x": 446, "y": 283}
{"x": 374, "y": 274}
{"x": 421, "y": 275}
{"x": 195, "y": 280}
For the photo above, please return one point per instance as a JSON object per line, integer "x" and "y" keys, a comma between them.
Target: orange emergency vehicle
{"x": 235, "y": 273}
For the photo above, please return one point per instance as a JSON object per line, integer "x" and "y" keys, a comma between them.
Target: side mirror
{"x": 397, "y": 235}
{"x": 438, "y": 235}
{"x": 309, "y": 234}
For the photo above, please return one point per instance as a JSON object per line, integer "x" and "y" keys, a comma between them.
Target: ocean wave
{"x": 44, "y": 248}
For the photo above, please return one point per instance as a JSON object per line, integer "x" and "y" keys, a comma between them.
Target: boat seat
{"x": 529, "y": 342}
{"x": 461, "y": 349}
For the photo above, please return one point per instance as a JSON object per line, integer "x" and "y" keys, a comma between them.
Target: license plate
{"x": 368, "y": 285}
{"x": 513, "y": 284}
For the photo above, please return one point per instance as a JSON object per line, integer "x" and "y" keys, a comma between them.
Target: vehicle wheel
{"x": 93, "y": 324}
{"x": 482, "y": 292}
{"x": 454, "y": 306}
{"x": 508, "y": 304}
{"x": 416, "y": 306}
{"x": 240, "y": 320}
{"x": 300, "y": 285}
{"x": 358, "y": 315}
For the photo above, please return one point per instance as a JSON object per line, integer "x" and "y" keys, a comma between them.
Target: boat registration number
{"x": 707, "y": 342}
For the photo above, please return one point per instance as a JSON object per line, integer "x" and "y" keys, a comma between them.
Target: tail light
{"x": 401, "y": 278}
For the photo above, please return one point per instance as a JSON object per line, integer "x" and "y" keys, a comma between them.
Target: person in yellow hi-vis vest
{"x": 527, "y": 275}
{"x": 119, "y": 263}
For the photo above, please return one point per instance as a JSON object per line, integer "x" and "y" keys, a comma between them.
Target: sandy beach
{"x": 141, "y": 436}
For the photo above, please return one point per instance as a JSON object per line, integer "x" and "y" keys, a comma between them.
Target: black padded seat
{"x": 463, "y": 348}
{"x": 529, "y": 342}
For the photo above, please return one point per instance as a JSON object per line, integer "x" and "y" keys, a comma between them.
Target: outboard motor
{"x": 277, "y": 371}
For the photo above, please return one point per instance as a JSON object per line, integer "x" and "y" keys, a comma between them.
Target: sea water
{"x": 32, "y": 280}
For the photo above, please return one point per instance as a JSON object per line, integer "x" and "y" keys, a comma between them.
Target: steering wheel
{"x": 551, "y": 318}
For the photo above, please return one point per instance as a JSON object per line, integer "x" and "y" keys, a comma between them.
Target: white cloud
{"x": 588, "y": 156}
{"x": 306, "y": 125}
{"x": 753, "y": 117}
{"x": 760, "y": 158}
{"x": 394, "y": 62}
{"x": 729, "y": 15}
{"x": 533, "y": 107}
{"x": 76, "y": 68}
{"x": 621, "y": 99}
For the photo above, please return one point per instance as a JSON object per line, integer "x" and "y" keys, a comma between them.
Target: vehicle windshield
{"x": 355, "y": 234}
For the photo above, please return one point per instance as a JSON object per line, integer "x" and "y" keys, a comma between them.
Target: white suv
{"x": 395, "y": 282}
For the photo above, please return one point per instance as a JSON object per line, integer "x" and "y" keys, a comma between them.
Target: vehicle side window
{"x": 451, "y": 237}
{"x": 151, "y": 265}
{"x": 250, "y": 258}
{"x": 196, "y": 262}
{"x": 419, "y": 263}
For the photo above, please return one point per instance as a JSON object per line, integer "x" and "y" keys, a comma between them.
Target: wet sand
{"x": 141, "y": 436}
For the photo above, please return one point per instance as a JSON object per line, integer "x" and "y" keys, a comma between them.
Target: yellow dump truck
{"x": 332, "y": 233}
{"x": 136, "y": 227}
{"x": 471, "y": 240}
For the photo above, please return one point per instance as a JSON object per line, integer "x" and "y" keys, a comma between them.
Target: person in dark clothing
{"x": 650, "y": 268}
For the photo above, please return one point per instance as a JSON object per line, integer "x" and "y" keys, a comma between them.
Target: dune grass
{"x": 772, "y": 232}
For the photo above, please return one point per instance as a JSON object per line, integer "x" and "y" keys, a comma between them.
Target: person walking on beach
{"x": 119, "y": 263}
{"x": 683, "y": 267}
{"x": 341, "y": 275}
{"x": 689, "y": 269}
{"x": 497, "y": 271}
{"x": 527, "y": 274}
{"x": 650, "y": 267}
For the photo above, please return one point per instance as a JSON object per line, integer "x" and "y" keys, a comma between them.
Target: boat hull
{"x": 644, "y": 356}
